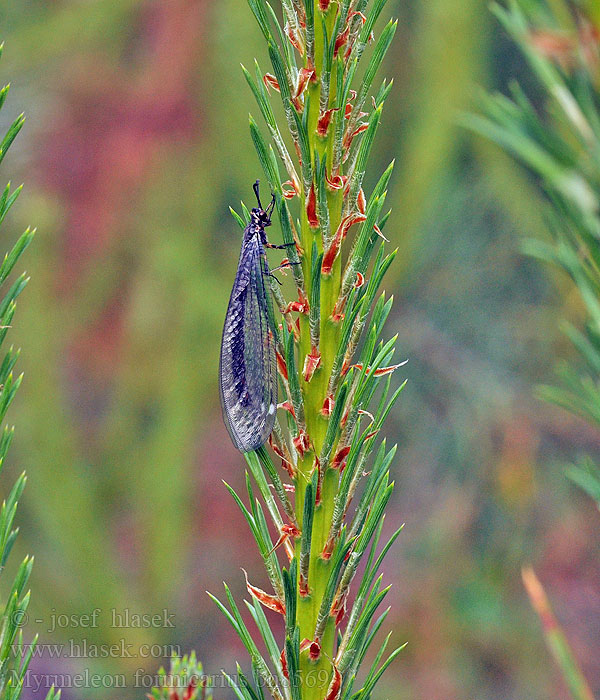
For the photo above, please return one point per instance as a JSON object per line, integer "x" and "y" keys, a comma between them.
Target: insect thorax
{"x": 255, "y": 229}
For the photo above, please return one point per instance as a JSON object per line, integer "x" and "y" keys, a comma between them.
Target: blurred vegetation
{"x": 15, "y": 652}
{"x": 137, "y": 141}
{"x": 559, "y": 141}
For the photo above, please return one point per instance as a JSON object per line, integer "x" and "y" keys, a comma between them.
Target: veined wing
{"x": 248, "y": 378}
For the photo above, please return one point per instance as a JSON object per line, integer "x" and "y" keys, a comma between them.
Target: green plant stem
{"x": 317, "y": 675}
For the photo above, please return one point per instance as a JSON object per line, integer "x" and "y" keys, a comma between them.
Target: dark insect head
{"x": 262, "y": 217}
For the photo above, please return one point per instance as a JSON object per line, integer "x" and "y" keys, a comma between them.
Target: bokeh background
{"x": 136, "y": 143}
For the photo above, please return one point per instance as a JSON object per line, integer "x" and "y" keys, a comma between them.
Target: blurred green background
{"x": 135, "y": 145}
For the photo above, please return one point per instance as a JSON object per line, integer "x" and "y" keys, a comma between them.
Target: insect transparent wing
{"x": 248, "y": 378}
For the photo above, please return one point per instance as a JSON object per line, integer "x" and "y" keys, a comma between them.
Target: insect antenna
{"x": 269, "y": 210}
{"x": 255, "y": 187}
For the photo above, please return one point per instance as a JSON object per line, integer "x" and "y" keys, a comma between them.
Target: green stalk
{"x": 314, "y": 397}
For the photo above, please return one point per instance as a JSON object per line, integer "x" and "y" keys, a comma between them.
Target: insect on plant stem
{"x": 248, "y": 371}
{"x": 332, "y": 364}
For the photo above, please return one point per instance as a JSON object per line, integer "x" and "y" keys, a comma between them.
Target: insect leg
{"x": 285, "y": 265}
{"x": 270, "y": 274}
{"x": 279, "y": 247}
